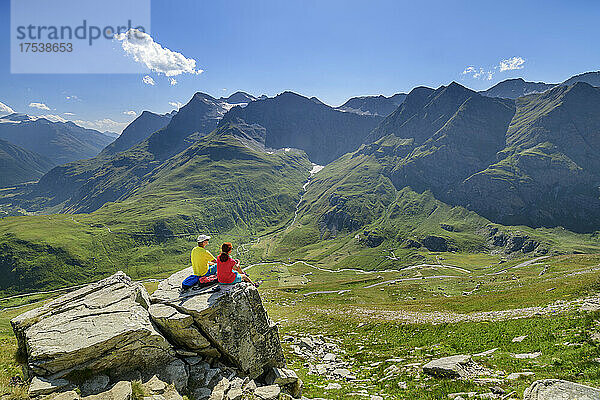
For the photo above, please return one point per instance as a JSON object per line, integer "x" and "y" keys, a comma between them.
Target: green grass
{"x": 362, "y": 320}
{"x": 367, "y": 343}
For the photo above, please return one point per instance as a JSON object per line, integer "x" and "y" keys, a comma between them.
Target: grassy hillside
{"x": 18, "y": 165}
{"x": 353, "y": 216}
{"x": 223, "y": 185}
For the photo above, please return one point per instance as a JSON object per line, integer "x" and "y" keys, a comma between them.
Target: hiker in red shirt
{"x": 228, "y": 269}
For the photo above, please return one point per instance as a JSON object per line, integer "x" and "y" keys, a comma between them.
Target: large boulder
{"x": 104, "y": 326}
{"x": 556, "y": 389}
{"x": 458, "y": 366}
{"x": 234, "y": 321}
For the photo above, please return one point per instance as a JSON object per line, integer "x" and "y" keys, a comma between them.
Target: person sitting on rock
{"x": 203, "y": 263}
{"x": 228, "y": 269}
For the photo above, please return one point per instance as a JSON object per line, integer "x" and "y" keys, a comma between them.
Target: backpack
{"x": 199, "y": 281}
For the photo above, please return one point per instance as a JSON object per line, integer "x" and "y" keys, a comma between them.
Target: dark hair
{"x": 225, "y": 249}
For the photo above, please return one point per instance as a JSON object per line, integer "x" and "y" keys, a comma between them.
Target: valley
{"x": 450, "y": 226}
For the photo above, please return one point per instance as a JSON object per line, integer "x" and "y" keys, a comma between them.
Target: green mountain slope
{"x": 223, "y": 184}
{"x": 18, "y": 165}
{"x": 86, "y": 185}
{"x": 549, "y": 172}
{"x": 353, "y": 216}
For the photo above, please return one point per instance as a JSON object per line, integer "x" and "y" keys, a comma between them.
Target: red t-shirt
{"x": 225, "y": 273}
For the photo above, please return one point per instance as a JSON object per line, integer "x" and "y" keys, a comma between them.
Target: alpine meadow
{"x": 430, "y": 240}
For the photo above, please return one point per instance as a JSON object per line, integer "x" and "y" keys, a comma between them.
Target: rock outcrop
{"x": 104, "y": 326}
{"x": 96, "y": 341}
{"x": 233, "y": 321}
{"x": 556, "y": 389}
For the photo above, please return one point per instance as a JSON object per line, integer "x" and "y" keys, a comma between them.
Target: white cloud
{"x": 41, "y": 106}
{"x": 176, "y": 104}
{"x": 478, "y": 73}
{"x": 148, "y": 80}
{"x": 511, "y": 64}
{"x": 173, "y": 81}
{"x": 130, "y": 112}
{"x": 72, "y": 98}
{"x": 102, "y": 125}
{"x": 145, "y": 50}
{"x": 5, "y": 110}
{"x": 68, "y": 113}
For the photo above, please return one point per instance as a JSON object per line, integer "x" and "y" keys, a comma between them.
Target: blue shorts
{"x": 212, "y": 270}
{"x": 238, "y": 279}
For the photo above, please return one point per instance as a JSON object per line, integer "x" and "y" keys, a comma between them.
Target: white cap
{"x": 202, "y": 238}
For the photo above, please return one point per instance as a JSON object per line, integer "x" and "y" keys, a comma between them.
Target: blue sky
{"x": 330, "y": 49}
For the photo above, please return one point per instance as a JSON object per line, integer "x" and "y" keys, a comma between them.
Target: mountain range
{"x": 292, "y": 120}
{"x": 60, "y": 142}
{"x": 373, "y": 105}
{"x": 518, "y": 87}
{"x": 18, "y": 165}
{"x": 449, "y": 169}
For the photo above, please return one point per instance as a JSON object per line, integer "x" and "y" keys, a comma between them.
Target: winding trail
{"x": 521, "y": 265}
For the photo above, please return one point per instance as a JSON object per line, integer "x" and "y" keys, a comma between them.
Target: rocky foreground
{"x": 111, "y": 340}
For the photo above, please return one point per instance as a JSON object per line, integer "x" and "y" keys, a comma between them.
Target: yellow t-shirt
{"x": 200, "y": 259}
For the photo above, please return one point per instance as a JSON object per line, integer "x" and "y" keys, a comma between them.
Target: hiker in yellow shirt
{"x": 203, "y": 263}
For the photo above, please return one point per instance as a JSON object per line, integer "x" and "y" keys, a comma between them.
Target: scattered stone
{"x": 192, "y": 360}
{"x": 250, "y": 386}
{"x": 395, "y": 360}
{"x": 41, "y": 385}
{"x": 461, "y": 395}
{"x": 497, "y": 390}
{"x": 402, "y": 385}
{"x": 70, "y": 395}
{"x": 120, "y": 391}
{"x": 219, "y": 390}
{"x": 343, "y": 372}
{"x": 517, "y": 375}
{"x": 202, "y": 393}
{"x": 333, "y": 386}
{"x": 527, "y": 355}
{"x": 329, "y": 357}
{"x": 155, "y": 385}
{"x": 458, "y": 366}
{"x": 281, "y": 376}
{"x": 175, "y": 374}
{"x": 553, "y": 389}
{"x": 234, "y": 394}
{"x": 94, "y": 385}
{"x": 519, "y": 339}
{"x": 270, "y": 392}
{"x": 486, "y": 353}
